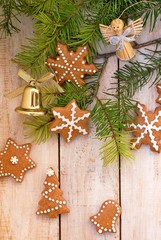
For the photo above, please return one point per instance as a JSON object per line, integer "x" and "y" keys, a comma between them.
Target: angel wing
{"x": 136, "y": 26}
{"x": 107, "y": 31}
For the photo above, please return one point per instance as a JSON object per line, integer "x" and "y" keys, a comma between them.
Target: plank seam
{"x": 59, "y": 175}
{"x": 118, "y": 66}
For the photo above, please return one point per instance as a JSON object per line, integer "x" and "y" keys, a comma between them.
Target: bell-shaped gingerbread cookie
{"x": 105, "y": 219}
{"x": 158, "y": 100}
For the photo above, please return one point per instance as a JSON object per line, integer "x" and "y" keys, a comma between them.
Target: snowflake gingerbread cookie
{"x": 15, "y": 160}
{"x": 52, "y": 202}
{"x": 147, "y": 129}
{"x": 71, "y": 66}
{"x": 70, "y": 121}
{"x": 105, "y": 219}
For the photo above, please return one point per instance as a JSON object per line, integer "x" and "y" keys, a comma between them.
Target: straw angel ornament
{"x": 120, "y": 35}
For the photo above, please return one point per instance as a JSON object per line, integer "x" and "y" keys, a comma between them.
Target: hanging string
{"x": 135, "y": 5}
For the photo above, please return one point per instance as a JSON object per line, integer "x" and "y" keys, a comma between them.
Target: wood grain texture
{"x": 141, "y": 179}
{"x": 19, "y": 201}
{"x": 85, "y": 183}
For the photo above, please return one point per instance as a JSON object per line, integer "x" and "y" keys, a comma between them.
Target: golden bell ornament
{"x": 31, "y": 101}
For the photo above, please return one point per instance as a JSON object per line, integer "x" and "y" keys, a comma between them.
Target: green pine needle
{"x": 135, "y": 75}
{"x": 109, "y": 123}
{"x": 37, "y": 128}
{"x": 50, "y": 93}
{"x": 110, "y": 151}
{"x": 76, "y": 24}
{"x": 10, "y": 10}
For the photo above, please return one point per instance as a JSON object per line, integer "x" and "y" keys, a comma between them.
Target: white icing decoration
{"x": 97, "y": 222}
{"x": 50, "y": 172}
{"x": 72, "y": 64}
{"x": 46, "y": 193}
{"x": 14, "y": 160}
{"x": 71, "y": 123}
{"x": 147, "y": 128}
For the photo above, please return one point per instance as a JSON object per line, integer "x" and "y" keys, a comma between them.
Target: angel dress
{"x": 121, "y": 36}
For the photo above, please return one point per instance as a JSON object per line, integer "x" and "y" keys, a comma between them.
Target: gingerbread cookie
{"x": 147, "y": 129}
{"x": 70, "y": 121}
{"x": 70, "y": 66}
{"x": 52, "y": 202}
{"x": 158, "y": 100}
{"x": 105, "y": 219}
{"x": 15, "y": 160}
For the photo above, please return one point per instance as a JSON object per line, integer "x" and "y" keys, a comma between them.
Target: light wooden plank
{"x": 86, "y": 184}
{"x": 141, "y": 179}
{"x": 19, "y": 201}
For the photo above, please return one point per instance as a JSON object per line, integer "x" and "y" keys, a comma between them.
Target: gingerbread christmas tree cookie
{"x": 15, "y": 160}
{"x": 147, "y": 128}
{"x": 70, "y": 66}
{"x": 70, "y": 121}
{"x": 52, "y": 202}
{"x": 105, "y": 219}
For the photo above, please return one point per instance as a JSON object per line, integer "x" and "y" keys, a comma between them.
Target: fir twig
{"x": 135, "y": 75}
{"x": 105, "y": 116}
{"x": 111, "y": 116}
{"x": 37, "y": 128}
{"x": 10, "y": 10}
{"x": 73, "y": 23}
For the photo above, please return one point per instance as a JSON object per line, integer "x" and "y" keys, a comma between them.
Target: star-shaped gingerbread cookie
{"x": 146, "y": 128}
{"x": 70, "y": 121}
{"x": 71, "y": 66}
{"x": 15, "y": 160}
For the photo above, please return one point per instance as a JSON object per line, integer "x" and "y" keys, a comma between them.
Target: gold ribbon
{"x": 25, "y": 76}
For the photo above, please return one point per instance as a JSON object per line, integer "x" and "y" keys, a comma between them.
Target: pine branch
{"x": 132, "y": 77}
{"x": 149, "y": 11}
{"x": 48, "y": 31}
{"x": 73, "y": 23}
{"x": 37, "y": 128}
{"x": 111, "y": 117}
{"x": 135, "y": 75}
{"x": 50, "y": 92}
{"x": 52, "y": 96}
{"x": 10, "y": 10}
{"x": 109, "y": 152}
{"x": 77, "y": 23}
{"x": 83, "y": 95}
{"x": 106, "y": 117}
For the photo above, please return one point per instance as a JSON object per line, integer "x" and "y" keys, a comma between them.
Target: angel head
{"x": 118, "y": 26}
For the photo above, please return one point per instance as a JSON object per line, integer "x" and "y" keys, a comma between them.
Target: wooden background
{"x": 85, "y": 183}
